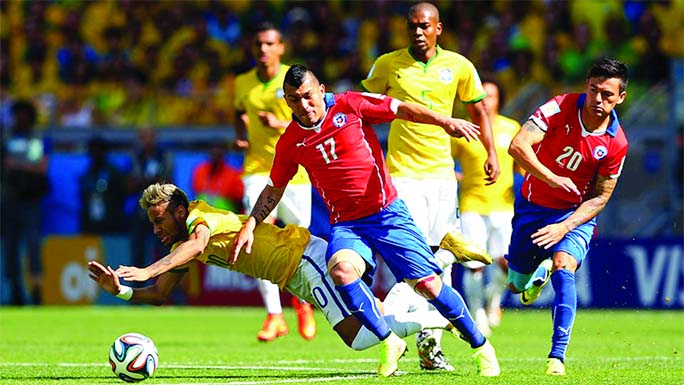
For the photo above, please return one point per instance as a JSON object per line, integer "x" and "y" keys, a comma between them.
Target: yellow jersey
{"x": 253, "y": 96}
{"x": 415, "y": 150}
{"x": 474, "y": 195}
{"x": 276, "y": 252}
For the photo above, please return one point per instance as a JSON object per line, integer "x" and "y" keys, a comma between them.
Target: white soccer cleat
{"x": 485, "y": 359}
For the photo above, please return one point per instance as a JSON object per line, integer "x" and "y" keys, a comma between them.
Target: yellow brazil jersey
{"x": 474, "y": 195}
{"x": 416, "y": 150}
{"x": 276, "y": 252}
{"x": 253, "y": 96}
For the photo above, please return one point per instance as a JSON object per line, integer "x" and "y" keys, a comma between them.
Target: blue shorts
{"x": 524, "y": 256}
{"x": 392, "y": 234}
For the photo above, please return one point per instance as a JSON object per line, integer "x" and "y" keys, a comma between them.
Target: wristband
{"x": 125, "y": 293}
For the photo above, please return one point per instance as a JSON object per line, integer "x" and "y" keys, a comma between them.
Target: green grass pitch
{"x": 69, "y": 345}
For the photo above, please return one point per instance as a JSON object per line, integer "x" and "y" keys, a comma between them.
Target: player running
{"x": 573, "y": 149}
{"x": 332, "y": 138}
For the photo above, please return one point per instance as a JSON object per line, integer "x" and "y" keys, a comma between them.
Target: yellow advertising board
{"x": 65, "y": 269}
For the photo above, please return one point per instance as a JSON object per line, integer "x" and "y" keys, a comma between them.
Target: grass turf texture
{"x": 69, "y": 345}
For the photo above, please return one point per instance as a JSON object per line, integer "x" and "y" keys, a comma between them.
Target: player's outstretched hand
{"x": 105, "y": 277}
{"x": 245, "y": 238}
{"x": 131, "y": 273}
{"x": 564, "y": 183}
{"x": 461, "y": 128}
{"x": 549, "y": 235}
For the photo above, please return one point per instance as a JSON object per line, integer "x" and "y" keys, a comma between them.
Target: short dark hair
{"x": 265, "y": 26}
{"x": 497, "y": 83}
{"x": 607, "y": 67}
{"x": 296, "y": 75}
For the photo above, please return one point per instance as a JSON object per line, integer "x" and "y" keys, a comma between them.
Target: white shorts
{"x": 433, "y": 204}
{"x": 491, "y": 232}
{"x": 294, "y": 207}
{"x": 312, "y": 283}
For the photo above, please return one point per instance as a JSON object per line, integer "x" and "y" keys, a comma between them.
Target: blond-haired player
{"x": 290, "y": 257}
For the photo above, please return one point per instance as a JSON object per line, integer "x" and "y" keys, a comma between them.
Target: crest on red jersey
{"x": 600, "y": 152}
{"x": 339, "y": 119}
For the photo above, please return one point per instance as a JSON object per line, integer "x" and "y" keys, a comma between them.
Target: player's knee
{"x": 428, "y": 287}
{"x": 564, "y": 261}
{"x": 345, "y": 267}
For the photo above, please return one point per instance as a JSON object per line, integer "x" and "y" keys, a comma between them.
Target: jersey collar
{"x": 437, "y": 51}
{"x": 615, "y": 122}
{"x": 329, "y": 100}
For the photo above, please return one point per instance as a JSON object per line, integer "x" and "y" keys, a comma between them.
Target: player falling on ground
{"x": 573, "y": 149}
{"x": 261, "y": 116}
{"x": 332, "y": 138}
{"x": 419, "y": 155}
{"x": 290, "y": 257}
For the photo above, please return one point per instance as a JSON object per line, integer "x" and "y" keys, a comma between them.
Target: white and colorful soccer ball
{"x": 133, "y": 357}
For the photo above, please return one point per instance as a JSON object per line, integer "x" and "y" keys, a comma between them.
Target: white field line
{"x": 285, "y": 363}
{"x": 284, "y": 381}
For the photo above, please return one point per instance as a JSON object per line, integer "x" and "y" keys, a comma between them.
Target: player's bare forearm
{"x": 184, "y": 253}
{"x": 454, "y": 127}
{"x": 603, "y": 190}
{"x": 266, "y": 203}
{"x": 479, "y": 116}
{"x": 157, "y": 293}
{"x": 419, "y": 114}
{"x": 241, "y": 122}
{"x": 523, "y": 154}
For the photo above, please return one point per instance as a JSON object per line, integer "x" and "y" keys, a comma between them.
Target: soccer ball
{"x": 133, "y": 357}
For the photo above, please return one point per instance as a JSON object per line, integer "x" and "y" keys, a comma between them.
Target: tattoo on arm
{"x": 603, "y": 189}
{"x": 531, "y": 126}
{"x": 162, "y": 265}
{"x": 265, "y": 204}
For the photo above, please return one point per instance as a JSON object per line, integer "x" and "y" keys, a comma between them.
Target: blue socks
{"x": 361, "y": 302}
{"x": 564, "y": 309}
{"x": 450, "y": 304}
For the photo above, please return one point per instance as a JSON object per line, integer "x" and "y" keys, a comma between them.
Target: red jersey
{"x": 569, "y": 150}
{"x": 342, "y": 155}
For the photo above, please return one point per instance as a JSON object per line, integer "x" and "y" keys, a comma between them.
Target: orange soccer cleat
{"x": 305, "y": 317}
{"x": 274, "y": 327}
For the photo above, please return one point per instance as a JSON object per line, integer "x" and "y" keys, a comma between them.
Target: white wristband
{"x": 125, "y": 293}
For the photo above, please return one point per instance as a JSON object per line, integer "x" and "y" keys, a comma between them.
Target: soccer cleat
{"x": 274, "y": 327}
{"x": 392, "y": 349}
{"x": 305, "y": 318}
{"x": 430, "y": 354}
{"x": 463, "y": 251}
{"x": 485, "y": 359}
{"x": 555, "y": 367}
{"x": 530, "y": 295}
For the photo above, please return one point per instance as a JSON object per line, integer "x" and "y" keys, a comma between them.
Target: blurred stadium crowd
{"x": 128, "y": 63}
